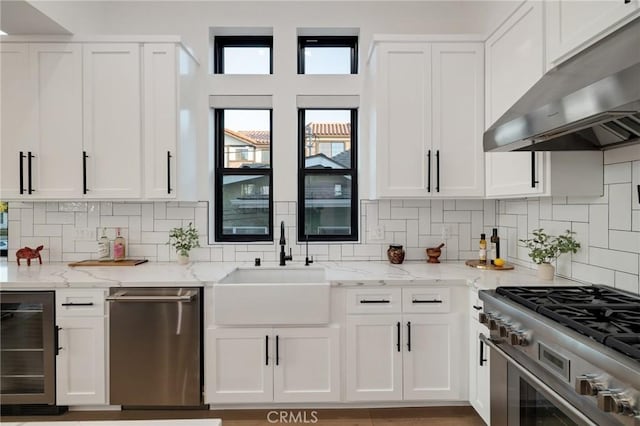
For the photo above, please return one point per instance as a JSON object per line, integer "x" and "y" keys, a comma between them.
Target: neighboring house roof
{"x": 343, "y": 158}
{"x": 247, "y": 136}
{"x": 321, "y": 161}
{"x": 330, "y": 129}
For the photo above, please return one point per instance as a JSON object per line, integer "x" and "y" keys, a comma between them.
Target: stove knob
{"x": 605, "y": 401}
{"x": 504, "y": 330}
{"x": 517, "y": 338}
{"x": 483, "y": 318}
{"x": 586, "y": 385}
{"x": 493, "y": 324}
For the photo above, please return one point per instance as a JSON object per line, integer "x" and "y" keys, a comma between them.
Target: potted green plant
{"x": 545, "y": 248}
{"x": 183, "y": 240}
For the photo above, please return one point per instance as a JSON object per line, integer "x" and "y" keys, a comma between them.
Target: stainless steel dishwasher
{"x": 155, "y": 346}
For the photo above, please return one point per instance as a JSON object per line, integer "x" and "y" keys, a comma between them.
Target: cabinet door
{"x": 573, "y": 25}
{"x": 160, "y": 119}
{"x": 374, "y": 358}
{"x": 56, "y": 73}
{"x": 80, "y": 365}
{"x": 458, "y": 119}
{"x": 514, "y": 56}
{"x": 435, "y": 362}
{"x": 239, "y": 365}
{"x": 112, "y": 120}
{"x": 516, "y": 174}
{"x": 403, "y": 120}
{"x": 307, "y": 367}
{"x": 16, "y": 131}
{"x": 479, "y": 392}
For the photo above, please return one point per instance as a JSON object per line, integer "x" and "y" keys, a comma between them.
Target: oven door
{"x": 520, "y": 398}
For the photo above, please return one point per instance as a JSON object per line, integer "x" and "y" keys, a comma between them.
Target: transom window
{"x": 327, "y": 175}
{"x": 243, "y": 55}
{"x": 327, "y": 55}
{"x": 243, "y": 175}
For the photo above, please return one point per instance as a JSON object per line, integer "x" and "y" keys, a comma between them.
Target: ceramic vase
{"x": 546, "y": 271}
{"x": 183, "y": 259}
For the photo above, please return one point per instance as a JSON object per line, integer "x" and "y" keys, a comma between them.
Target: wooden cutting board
{"x": 476, "y": 264}
{"x": 96, "y": 262}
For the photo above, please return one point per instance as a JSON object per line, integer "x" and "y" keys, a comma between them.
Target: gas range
{"x": 582, "y": 342}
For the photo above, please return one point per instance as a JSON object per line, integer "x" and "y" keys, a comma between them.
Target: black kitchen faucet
{"x": 283, "y": 242}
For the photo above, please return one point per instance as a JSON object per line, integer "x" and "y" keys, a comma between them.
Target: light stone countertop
{"x": 340, "y": 274}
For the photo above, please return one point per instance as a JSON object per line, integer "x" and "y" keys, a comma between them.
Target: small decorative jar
{"x": 395, "y": 253}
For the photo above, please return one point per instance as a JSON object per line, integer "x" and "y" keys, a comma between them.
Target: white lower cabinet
{"x": 407, "y": 356}
{"x": 259, "y": 365}
{"x": 81, "y": 360}
{"x": 479, "y": 390}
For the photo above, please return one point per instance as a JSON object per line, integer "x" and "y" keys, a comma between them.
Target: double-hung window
{"x": 243, "y": 175}
{"x": 327, "y": 177}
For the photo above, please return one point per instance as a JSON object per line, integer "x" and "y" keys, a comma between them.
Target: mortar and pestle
{"x": 434, "y": 253}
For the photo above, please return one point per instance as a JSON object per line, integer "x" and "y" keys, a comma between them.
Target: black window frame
{"x": 220, "y": 42}
{"x": 221, "y": 171}
{"x": 303, "y": 172}
{"x": 328, "y": 41}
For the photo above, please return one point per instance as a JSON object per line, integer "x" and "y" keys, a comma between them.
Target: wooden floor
{"x": 432, "y": 416}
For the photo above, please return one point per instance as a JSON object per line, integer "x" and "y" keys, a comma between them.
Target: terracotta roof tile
{"x": 331, "y": 129}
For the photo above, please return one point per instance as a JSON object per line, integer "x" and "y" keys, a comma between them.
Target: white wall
{"x": 192, "y": 20}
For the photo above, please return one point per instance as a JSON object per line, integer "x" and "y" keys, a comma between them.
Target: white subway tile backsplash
{"x": 593, "y": 274}
{"x": 620, "y": 206}
{"x": 608, "y": 228}
{"x": 628, "y": 282}
{"x": 624, "y": 241}
{"x": 61, "y": 218}
{"x": 457, "y": 216}
{"x": 568, "y": 212}
{"x": 47, "y": 230}
{"x": 614, "y": 259}
{"x": 617, "y": 173}
{"x": 126, "y": 209}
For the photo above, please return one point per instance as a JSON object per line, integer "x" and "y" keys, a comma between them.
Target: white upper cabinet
{"x": 427, "y": 119}
{"x": 41, "y": 120}
{"x": 574, "y": 25}
{"x": 112, "y": 117}
{"x": 403, "y": 119}
{"x": 169, "y": 97}
{"x": 17, "y": 135}
{"x": 514, "y": 59}
{"x": 458, "y": 119}
{"x": 160, "y": 119}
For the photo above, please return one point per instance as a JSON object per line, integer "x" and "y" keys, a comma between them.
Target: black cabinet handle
{"x": 78, "y": 304}
{"x": 426, "y": 301}
{"x": 429, "y": 171}
{"x": 277, "y": 350}
{"x": 438, "y": 170}
{"x": 29, "y": 186}
{"x": 533, "y": 169}
{"x": 168, "y": 172}
{"x": 627, "y": 1}
{"x": 84, "y": 172}
{"x": 482, "y": 358}
{"x": 477, "y": 308}
{"x": 21, "y": 160}
{"x": 266, "y": 350}
{"x": 375, "y": 301}
{"x": 409, "y": 336}
{"x": 398, "y": 330}
{"x": 56, "y": 339}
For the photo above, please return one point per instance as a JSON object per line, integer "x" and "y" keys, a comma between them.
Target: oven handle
{"x": 533, "y": 379}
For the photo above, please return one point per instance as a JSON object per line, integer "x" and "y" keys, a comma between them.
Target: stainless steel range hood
{"x": 592, "y": 102}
